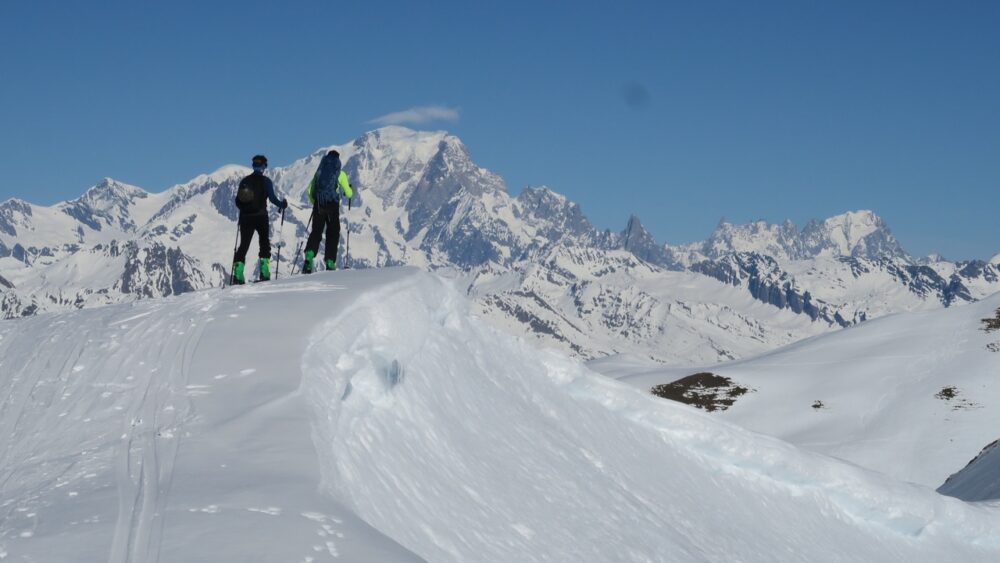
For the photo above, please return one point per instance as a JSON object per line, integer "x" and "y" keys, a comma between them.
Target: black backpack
{"x": 251, "y": 196}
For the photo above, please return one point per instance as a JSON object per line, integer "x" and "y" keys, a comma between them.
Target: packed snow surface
{"x": 366, "y": 416}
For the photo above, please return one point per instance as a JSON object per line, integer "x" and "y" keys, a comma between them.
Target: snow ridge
{"x": 556, "y": 448}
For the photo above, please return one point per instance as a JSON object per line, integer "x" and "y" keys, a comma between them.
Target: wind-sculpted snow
{"x": 465, "y": 444}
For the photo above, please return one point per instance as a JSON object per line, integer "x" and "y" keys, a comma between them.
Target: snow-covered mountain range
{"x": 533, "y": 263}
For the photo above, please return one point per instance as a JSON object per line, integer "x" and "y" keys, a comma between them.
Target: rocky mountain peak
{"x": 852, "y": 234}
{"x": 16, "y": 205}
{"x": 110, "y": 193}
{"x": 855, "y": 233}
{"x": 555, "y": 215}
{"x": 637, "y": 240}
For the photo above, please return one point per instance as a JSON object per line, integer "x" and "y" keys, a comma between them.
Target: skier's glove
{"x": 284, "y": 203}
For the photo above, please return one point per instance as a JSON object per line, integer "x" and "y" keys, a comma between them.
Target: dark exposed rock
{"x": 704, "y": 390}
{"x": 991, "y": 324}
{"x": 156, "y": 271}
{"x": 10, "y": 213}
{"x": 766, "y": 282}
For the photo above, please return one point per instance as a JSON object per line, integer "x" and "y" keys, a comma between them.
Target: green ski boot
{"x": 265, "y": 269}
{"x": 331, "y": 264}
{"x": 307, "y": 265}
{"x": 238, "y": 278}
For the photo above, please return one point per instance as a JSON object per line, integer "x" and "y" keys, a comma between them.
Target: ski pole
{"x": 347, "y": 250}
{"x": 281, "y": 242}
{"x": 298, "y": 246}
{"x": 235, "y": 247}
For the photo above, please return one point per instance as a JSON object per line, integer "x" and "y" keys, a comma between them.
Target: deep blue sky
{"x": 680, "y": 112}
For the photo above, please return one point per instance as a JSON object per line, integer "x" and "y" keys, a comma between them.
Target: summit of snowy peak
{"x": 108, "y": 203}
{"x": 400, "y": 133}
{"x": 855, "y": 224}
{"x": 392, "y": 160}
{"x": 110, "y": 192}
{"x": 16, "y": 204}
{"x": 995, "y": 260}
{"x": 224, "y": 173}
{"x": 543, "y": 196}
{"x": 637, "y": 240}
{"x": 855, "y": 233}
{"x": 552, "y": 213}
{"x": 404, "y": 143}
{"x": 13, "y": 213}
{"x": 634, "y": 225}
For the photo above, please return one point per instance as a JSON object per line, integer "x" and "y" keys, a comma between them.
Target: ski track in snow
{"x": 142, "y": 455}
{"x": 149, "y": 445}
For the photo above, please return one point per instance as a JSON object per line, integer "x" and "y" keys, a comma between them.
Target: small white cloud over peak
{"x": 418, "y": 115}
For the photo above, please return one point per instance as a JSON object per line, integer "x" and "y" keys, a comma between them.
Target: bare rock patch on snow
{"x": 951, "y": 394}
{"x": 704, "y": 390}
{"x": 991, "y": 324}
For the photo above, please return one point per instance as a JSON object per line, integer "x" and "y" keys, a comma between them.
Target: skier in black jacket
{"x": 251, "y": 199}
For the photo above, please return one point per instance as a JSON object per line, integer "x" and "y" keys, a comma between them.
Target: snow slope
{"x": 201, "y": 427}
{"x": 913, "y": 395}
{"x": 169, "y": 429}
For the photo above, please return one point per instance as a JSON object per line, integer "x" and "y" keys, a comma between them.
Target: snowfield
{"x": 368, "y": 416}
{"x": 913, "y": 395}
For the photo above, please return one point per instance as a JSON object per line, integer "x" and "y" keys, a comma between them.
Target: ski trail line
{"x": 29, "y": 389}
{"x": 149, "y": 444}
